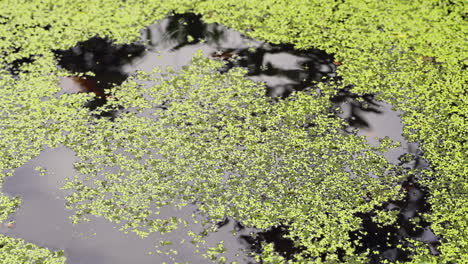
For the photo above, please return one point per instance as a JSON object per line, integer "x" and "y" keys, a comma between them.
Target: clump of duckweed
{"x": 219, "y": 143}
{"x": 16, "y": 251}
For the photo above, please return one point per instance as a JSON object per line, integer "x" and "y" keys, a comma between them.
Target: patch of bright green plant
{"x": 16, "y": 251}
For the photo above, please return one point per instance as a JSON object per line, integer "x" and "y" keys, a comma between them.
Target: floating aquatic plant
{"x": 220, "y": 144}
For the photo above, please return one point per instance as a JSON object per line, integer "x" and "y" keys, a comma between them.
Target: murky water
{"x": 43, "y": 219}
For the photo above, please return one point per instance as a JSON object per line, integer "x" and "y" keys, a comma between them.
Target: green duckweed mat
{"x": 280, "y": 170}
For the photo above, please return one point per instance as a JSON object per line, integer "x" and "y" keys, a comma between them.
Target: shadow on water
{"x": 357, "y": 105}
{"x": 276, "y": 235}
{"x": 390, "y": 241}
{"x": 96, "y": 65}
{"x": 102, "y": 65}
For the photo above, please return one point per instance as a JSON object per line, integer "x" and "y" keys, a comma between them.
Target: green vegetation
{"x": 222, "y": 144}
{"x": 17, "y": 251}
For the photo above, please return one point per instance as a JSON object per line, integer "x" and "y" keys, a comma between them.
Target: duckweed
{"x": 219, "y": 143}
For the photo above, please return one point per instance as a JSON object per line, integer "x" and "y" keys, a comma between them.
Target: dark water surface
{"x": 43, "y": 219}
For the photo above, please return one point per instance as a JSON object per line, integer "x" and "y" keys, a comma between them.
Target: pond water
{"x": 43, "y": 219}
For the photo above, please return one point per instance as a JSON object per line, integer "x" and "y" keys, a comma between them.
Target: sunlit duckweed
{"x": 221, "y": 144}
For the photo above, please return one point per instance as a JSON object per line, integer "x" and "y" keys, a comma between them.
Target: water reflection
{"x": 96, "y": 65}
{"x": 356, "y": 106}
{"x": 189, "y": 29}
{"x": 391, "y": 241}
{"x": 276, "y": 235}
{"x": 283, "y": 68}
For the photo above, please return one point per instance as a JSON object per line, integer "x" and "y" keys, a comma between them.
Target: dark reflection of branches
{"x": 104, "y": 60}
{"x": 391, "y": 241}
{"x": 98, "y": 55}
{"x": 313, "y": 65}
{"x": 275, "y": 235}
{"x": 188, "y": 29}
{"x": 358, "y": 104}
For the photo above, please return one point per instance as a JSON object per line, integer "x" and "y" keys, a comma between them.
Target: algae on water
{"x": 219, "y": 143}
